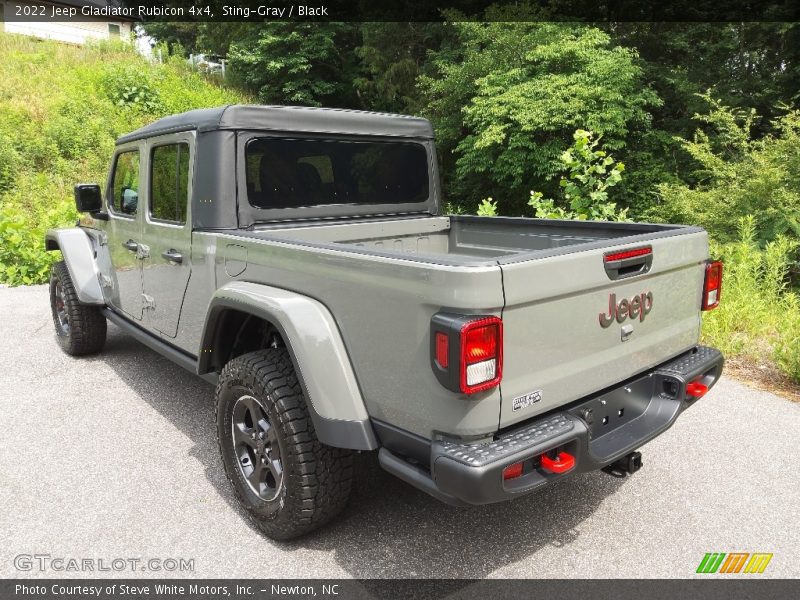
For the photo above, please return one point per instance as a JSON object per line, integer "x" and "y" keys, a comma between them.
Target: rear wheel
{"x": 80, "y": 329}
{"x": 284, "y": 477}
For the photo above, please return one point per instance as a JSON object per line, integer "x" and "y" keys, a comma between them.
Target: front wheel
{"x": 80, "y": 329}
{"x": 284, "y": 477}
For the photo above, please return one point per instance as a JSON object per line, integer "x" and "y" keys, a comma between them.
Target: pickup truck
{"x": 298, "y": 259}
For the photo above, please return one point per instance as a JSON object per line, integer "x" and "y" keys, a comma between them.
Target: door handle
{"x": 130, "y": 245}
{"x": 172, "y": 255}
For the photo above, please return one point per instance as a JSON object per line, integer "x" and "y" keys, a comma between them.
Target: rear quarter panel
{"x": 383, "y": 308}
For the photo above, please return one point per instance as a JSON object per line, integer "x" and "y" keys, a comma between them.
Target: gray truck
{"x": 299, "y": 260}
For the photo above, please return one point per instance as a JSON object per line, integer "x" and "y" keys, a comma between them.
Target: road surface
{"x": 115, "y": 456}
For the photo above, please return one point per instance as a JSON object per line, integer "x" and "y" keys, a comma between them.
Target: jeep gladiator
{"x": 299, "y": 260}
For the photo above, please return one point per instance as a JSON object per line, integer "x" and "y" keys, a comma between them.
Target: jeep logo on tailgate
{"x": 637, "y": 307}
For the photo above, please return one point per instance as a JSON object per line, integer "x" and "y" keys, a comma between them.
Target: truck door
{"x": 125, "y": 231}
{"x": 167, "y": 230}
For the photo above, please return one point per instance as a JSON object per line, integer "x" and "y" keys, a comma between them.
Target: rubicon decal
{"x": 637, "y": 307}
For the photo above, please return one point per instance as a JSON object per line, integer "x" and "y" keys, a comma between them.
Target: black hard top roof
{"x": 286, "y": 118}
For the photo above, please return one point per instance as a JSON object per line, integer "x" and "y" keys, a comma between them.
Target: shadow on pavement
{"x": 389, "y": 529}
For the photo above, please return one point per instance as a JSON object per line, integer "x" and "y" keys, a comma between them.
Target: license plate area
{"x": 613, "y": 409}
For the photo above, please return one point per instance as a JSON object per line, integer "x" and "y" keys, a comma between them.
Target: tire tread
{"x": 87, "y": 325}
{"x": 318, "y": 477}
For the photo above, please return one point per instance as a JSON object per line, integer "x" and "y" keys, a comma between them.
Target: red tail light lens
{"x": 481, "y": 354}
{"x": 480, "y": 343}
{"x": 712, "y": 287}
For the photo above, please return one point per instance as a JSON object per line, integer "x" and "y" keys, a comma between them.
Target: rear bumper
{"x": 595, "y": 431}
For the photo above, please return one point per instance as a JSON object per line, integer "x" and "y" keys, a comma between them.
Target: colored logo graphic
{"x": 734, "y": 562}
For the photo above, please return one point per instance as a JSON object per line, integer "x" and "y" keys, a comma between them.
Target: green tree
{"x": 738, "y": 176}
{"x": 745, "y": 65}
{"x": 300, "y": 63}
{"x": 506, "y": 98}
{"x": 392, "y": 57}
{"x": 186, "y": 36}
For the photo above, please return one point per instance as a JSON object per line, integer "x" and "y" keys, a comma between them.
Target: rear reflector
{"x": 442, "y": 349}
{"x": 627, "y": 254}
{"x": 712, "y": 286}
{"x": 481, "y": 354}
{"x": 512, "y": 471}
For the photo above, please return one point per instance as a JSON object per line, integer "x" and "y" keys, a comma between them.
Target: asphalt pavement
{"x": 114, "y": 457}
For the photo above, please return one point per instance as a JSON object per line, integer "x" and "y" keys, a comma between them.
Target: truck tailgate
{"x": 556, "y": 349}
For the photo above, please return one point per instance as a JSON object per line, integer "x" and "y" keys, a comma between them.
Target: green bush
{"x": 588, "y": 174}
{"x": 737, "y": 176}
{"x": 758, "y": 316}
{"x": 787, "y": 345}
{"x": 126, "y": 88}
{"x": 23, "y": 260}
{"x": 487, "y": 208}
{"x": 9, "y": 163}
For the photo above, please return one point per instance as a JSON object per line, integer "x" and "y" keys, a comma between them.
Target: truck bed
{"x": 466, "y": 240}
{"x": 547, "y": 279}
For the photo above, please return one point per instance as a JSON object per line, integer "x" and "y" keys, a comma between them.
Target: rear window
{"x": 295, "y": 173}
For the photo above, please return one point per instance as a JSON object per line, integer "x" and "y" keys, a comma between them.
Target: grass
{"x": 758, "y": 319}
{"x": 61, "y": 109}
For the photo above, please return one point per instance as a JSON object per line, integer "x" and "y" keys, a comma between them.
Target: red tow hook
{"x": 696, "y": 389}
{"x": 561, "y": 464}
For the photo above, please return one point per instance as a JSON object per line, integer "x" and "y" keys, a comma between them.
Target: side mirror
{"x": 88, "y": 197}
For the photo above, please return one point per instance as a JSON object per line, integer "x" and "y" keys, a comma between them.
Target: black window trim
{"x": 110, "y": 200}
{"x": 153, "y": 147}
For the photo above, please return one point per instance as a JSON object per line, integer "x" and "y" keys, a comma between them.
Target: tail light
{"x": 712, "y": 286}
{"x": 481, "y": 354}
{"x": 467, "y": 351}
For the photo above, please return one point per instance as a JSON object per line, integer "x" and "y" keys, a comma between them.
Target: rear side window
{"x": 125, "y": 184}
{"x": 169, "y": 183}
{"x": 285, "y": 173}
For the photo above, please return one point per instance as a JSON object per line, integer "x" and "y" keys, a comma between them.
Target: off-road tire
{"x": 316, "y": 479}
{"x": 85, "y": 329}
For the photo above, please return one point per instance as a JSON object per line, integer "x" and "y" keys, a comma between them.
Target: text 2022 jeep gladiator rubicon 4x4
{"x": 298, "y": 259}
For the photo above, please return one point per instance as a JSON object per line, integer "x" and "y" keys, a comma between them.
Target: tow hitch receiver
{"x": 628, "y": 464}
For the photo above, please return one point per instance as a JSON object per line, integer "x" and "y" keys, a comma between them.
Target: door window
{"x": 169, "y": 183}
{"x": 124, "y": 197}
